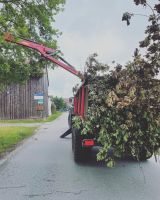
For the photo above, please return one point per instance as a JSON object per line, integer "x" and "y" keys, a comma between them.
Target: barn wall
{"x": 17, "y": 101}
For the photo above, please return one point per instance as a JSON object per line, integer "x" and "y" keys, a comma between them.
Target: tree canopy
{"x": 30, "y": 19}
{"x": 59, "y": 103}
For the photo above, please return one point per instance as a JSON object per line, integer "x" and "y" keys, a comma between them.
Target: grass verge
{"x": 49, "y": 119}
{"x": 53, "y": 117}
{"x": 11, "y": 136}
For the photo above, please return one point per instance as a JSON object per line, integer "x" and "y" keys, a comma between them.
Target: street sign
{"x": 40, "y": 101}
{"x": 39, "y": 107}
{"x": 39, "y": 96}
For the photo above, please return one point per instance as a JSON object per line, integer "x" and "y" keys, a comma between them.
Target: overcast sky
{"x": 90, "y": 26}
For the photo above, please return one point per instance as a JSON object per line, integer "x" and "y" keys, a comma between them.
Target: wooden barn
{"x": 28, "y": 101}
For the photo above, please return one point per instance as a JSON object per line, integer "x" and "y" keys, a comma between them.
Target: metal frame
{"x": 80, "y": 101}
{"x": 46, "y": 52}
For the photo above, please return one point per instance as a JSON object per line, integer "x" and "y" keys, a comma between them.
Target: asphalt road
{"x": 43, "y": 169}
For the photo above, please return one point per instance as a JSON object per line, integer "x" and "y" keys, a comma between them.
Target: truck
{"x": 81, "y": 144}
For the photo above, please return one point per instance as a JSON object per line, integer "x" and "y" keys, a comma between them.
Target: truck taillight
{"x": 88, "y": 143}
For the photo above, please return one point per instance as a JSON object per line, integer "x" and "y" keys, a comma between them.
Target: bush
{"x": 53, "y": 108}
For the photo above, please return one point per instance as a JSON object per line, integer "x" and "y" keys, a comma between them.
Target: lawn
{"x": 49, "y": 119}
{"x": 10, "y": 136}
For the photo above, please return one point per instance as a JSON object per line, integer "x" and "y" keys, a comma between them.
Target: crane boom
{"x": 46, "y": 52}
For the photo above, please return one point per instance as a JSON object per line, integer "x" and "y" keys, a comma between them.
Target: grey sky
{"x": 90, "y": 26}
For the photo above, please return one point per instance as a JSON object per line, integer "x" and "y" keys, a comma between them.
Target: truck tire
{"x": 80, "y": 153}
{"x": 70, "y": 115}
{"x": 77, "y": 145}
{"x": 143, "y": 155}
{"x": 69, "y": 120}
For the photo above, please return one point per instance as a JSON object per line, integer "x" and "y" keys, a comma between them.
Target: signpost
{"x": 39, "y": 97}
{"x": 40, "y": 101}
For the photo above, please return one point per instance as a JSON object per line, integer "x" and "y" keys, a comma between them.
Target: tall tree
{"x": 30, "y": 19}
{"x": 59, "y": 103}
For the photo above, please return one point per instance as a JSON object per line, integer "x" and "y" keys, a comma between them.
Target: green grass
{"x": 53, "y": 117}
{"x": 49, "y": 119}
{"x": 10, "y": 136}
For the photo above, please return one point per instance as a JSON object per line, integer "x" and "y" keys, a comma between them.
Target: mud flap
{"x": 69, "y": 131}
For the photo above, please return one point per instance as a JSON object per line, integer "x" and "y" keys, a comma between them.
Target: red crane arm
{"x": 46, "y": 52}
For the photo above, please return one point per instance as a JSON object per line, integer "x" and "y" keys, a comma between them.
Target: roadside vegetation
{"x": 58, "y": 103}
{"x": 11, "y": 136}
{"x": 54, "y": 116}
{"x": 33, "y": 20}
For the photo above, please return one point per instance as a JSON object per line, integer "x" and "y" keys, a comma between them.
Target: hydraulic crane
{"x": 45, "y": 52}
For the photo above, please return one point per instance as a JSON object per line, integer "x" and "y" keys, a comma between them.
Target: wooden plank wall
{"x": 17, "y": 101}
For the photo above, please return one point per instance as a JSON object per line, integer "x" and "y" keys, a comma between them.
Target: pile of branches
{"x": 124, "y": 104}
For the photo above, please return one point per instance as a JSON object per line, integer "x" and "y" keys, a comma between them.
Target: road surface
{"x": 43, "y": 169}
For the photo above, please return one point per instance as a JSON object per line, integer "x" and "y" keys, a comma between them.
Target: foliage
{"x": 53, "y": 107}
{"x": 59, "y": 103}
{"x": 143, "y": 2}
{"x": 127, "y": 17}
{"x": 30, "y": 19}
{"x": 124, "y": 104}
{"x": 54, "y": 116}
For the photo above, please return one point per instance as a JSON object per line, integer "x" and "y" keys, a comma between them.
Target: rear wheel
{"x": 70, "y": 115}
{"x": 77, "y": 145}
{"x": 80, "y": 153}
{"x": 144, "y": 156}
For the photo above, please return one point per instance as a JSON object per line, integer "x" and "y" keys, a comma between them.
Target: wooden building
{"x": 25, "y": 101}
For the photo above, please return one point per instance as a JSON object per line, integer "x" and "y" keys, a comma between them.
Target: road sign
{"x": 40, "y": 101}
{"x": 38, "y": 96}
{"x": 39, "y": 108}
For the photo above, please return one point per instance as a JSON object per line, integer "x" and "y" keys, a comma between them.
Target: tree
{"x": 53, "y": 107}
{"x": 30, "y": 19}
{"x": 59, "y": 103}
